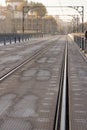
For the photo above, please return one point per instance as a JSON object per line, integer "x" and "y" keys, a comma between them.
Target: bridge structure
{"x": 79, "y": 9}
{"x": 43, "y": 84}
{"x": 43, "y": 80}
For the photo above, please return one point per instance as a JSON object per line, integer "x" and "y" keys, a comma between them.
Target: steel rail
{"x": 60, "y": 113}
{"x": 59, "y": 97}
{"x": 63, "y": 105}
{"x": 40, "y": 52}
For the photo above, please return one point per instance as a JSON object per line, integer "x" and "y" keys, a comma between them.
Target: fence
{"x": 81, "y": 41}
{"x": 14, "y": 38}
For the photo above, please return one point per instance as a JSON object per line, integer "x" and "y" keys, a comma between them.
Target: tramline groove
{"x": 25, "y": 62}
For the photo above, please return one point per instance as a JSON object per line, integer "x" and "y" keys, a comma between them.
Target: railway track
{"x": 46, "y": 91}
{"x": 40, "y": 52}
{"x": 35, "y": 91}
{"x": 61, "y": 114}
{"x": 17, "y": 55}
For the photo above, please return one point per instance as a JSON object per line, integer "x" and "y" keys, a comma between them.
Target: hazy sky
{"x": 61, "y": 3}
{"x": 57, "y": 2}
{"x": 66, "y": 3}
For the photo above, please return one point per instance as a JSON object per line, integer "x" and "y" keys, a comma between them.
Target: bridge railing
{"x": 81, "y": 41}
{"x": 14, "y": 38}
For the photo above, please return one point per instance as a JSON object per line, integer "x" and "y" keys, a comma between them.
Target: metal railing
{"x": 81, "y": 42}
{"x": 14, "y": 38}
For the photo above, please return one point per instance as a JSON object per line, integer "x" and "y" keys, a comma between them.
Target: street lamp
{"x": 23, "y": 13}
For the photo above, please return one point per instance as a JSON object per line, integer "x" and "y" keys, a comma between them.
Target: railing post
{"x": 85, "y": 45}
{"x": 10, "y": 40}
{"x": 4, "y": 40}
{"x": 15, "y": 39}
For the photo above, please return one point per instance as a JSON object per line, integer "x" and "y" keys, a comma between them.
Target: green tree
{"x": 38, "y": 8}
{"x": 50, "y": 24}
{"x": 21, "y": 5}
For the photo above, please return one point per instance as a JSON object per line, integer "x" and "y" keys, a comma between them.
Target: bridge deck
{"x": 28, "y": 97}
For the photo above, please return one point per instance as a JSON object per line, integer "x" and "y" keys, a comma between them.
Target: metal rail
{"x": 63, "y": 105}
{"x": 40, "y": 52}
{"x": 60, "y": 114}
{"x": 14, "y": 38}
{"x": 81, "y": 53}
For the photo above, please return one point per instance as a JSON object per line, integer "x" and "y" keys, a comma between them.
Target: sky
{"x": 62, "y": 11}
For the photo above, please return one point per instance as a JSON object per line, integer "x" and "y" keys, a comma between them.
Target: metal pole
{"x": 37, "y": 23}
{"x": 77, "y": 23}
{"x": 23, "y": 21}
{"x": 82, "y": 19}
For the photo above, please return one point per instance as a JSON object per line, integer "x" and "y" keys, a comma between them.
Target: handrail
{"x": 10, "y": 38}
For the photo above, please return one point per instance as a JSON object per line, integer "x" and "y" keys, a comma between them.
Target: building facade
{"x": 12, "y": 20}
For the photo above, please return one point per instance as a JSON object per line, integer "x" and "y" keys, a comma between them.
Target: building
{"x": 13, "y": 6}
{"x": 12, "y": 19}
{"x": 14, "y": 3}
{"x": 3, "y": 10}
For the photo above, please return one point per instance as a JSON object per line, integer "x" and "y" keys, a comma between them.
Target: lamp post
{"x": 37, "y": 23}
{"x": 23, "y": 13}
{"x": 23, "y": 20}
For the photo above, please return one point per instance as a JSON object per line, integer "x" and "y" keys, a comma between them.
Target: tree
{"x": 38, "y": 8}
{"x": 9, "y": 7}
{"x": 50, "y": 24}
{"x": 21, "y": 5}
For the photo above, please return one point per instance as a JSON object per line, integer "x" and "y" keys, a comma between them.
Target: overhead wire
{"x": 61, "y": 7}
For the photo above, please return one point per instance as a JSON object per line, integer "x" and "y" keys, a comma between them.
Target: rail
{"x": 60, "y": 114}
{"x": 64, "y": 102}
{"x": 39, "y": 52}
